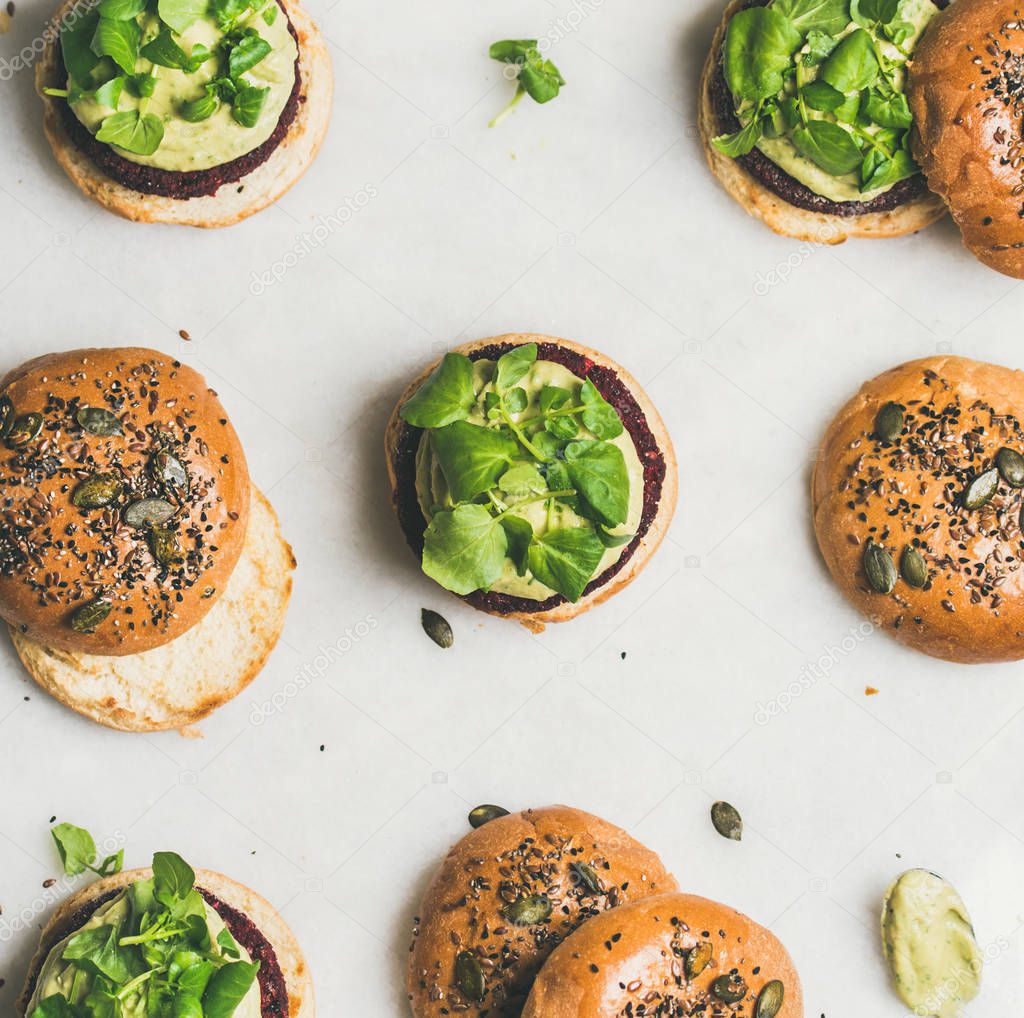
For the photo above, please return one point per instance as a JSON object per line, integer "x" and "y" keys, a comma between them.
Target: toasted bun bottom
{"x": 183, "y": 681}
{"x": 632, "y": 961}
{"x": 233, "y": 202}
{"x": 536, "y": 621}
{"x": 297, "y": 977}
{"x": 776, "y": 212}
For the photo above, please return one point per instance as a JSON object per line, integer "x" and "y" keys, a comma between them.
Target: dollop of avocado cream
{"x": 930, "y": 945}
{"x": 838, "y": 121}
{"x": 433, "y": 492}
{"x": 146, "y": 86}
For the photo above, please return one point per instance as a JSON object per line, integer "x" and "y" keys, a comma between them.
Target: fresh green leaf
{"x": 197, "y": 110}
{"x": 181, "y": 14}
{"x": 173, "y": 878}
{"x": 194, "y": 979}
{"x": 600, "y": 418}
{"x": 519, "y": 533}
{"x": 227, "y": 12}
{"x": 759, "y": 47}
{"x": 109, "y": 94}
{"x": 121, "y": 10}
{"x": 446, "y": 396}
{"x": 56, "y": 1006}
{"x": 546, "y": 444}
{"x": 888, "y": 111}
{"x": 247, "y": 54}
{"x": 270, "y": 13}
{"x": 471, "y": 458}
{"x": 853, "y": 64}
{"x": 112, "y": 864}
{"x": 464, "y": 549}
{"x": 524, "y": 479}
{"x": 598, "y": 473}
{"x": 118, "y": 40}
{"x": 248, "y": 105}
{"x": 228, "y": 945}
{"x": 76, "y": 37}
{"x": 819, "y": 45}
{"x": 829, "y": 146}
{"x": 542, "y": 81}
{"x": 612, "y": 540}
{"x": 820, "y": 95}
{"x": 132, "y": 131}
{"x": 516, "y": 400}
{"x": 187, "y": 1006}
{"x": 849, "y": 111}
{"x": 742, "y": 141}
{"x": 564, "y": 559}
{"x": 228, "y": 988}
{"x": 514, "y": 366}
{"x": 552, "y": 397}
{"x": 564, "y": 429}
{"x": 515, "y": 51}
{"x": 163, "y": 50}
{"x": 887, "y": 172}
{"x": 874, "y": 12}
{"x": 96, "y": 950}
{"x": 76, "y": 848}
{"x": 823, "y": 16}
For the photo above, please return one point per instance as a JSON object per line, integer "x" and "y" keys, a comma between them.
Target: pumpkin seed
{"x": 1011, "y": 467}
{"x": 86, "y": 618}
{"x": 469, "y": 977}
{"x": 588, "y": 877}
{"x": 97, "y": 492}
{"x": 769, "y": 1000}
{"x": 485, "y": 814}
{"x": 6, "y": 416}
{"x": 729, "y": 988}
{"x": 24, "y": 429}
{"x": 981, "y": 490}
{"x": 98, "y": 421}
{"x": 437, "y": 628}
{"x": 148, "y": 512}
{"x": 169, "y": 470}
{"x": 913, "y": 568}
{"x": 889, "y": 422}
{"x": 528, "y": 911}
{"x": 727, "y": 821}
{"x": 879, "y": 567}
{"x": 698, "y": 959}
{"x": 163, "y": 543}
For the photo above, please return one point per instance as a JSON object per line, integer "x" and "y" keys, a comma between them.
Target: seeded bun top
{"x": 507, "y": 894}
{"x": 674, "y": 955}
{"x": 911, "y": 463}
{"x": 125, "y": 500}
{"x": 966, "y": 91}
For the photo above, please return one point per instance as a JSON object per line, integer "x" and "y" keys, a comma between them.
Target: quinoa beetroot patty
{"x": 192, "y": 183}
{"x": 788, "y": 188}
{"x": 608, "y": 383}
{"x": 273, "y": 992}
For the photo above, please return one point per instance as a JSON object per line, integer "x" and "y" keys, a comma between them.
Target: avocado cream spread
{"x": 528, "y": 481}
{"x": 930, "y": 945}
{"x": 179, "y": 86}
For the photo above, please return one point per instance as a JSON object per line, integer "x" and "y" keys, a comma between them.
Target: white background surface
{"x": 592, "y": 218}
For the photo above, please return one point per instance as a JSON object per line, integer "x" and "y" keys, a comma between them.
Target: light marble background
{"x": 592, "y": 218}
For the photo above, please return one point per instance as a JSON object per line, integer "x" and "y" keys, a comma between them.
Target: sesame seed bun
{"x": 965, "y": 91}
{"x": 516, "y": 856}
{"x": 644, "y": 424}
{"x": 634, "y": 961}
{"x": 910, "y": 493}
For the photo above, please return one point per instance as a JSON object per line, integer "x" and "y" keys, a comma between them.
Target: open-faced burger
{"x": 805, "y": 119}
{"x": 531, "y": 475}
{"x": 167, "y": 942}
{"x": 144, "y": 579}
{"x": 183, "y": 112}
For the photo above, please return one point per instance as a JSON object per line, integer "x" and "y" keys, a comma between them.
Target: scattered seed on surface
{"x": 437, "y": 628}
{"x": 727, "y": 821}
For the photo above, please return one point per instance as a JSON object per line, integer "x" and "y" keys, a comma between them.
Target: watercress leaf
{"x": 492, "y": 406}
{"x": 248, "y": 105}
{"x": 823, "y": 16}
{"x": 471, "y": 458}
{"x": 887, "y": 172}
{"x": 514, "y": 51}
{"x": 196, "y": 110}
{"x": 132, "y": 131}
{"x": 742, "y": 141}
{"x": 853, "y": 64}
{"x": 874, "y": 12}
{"x": 76, "y": 37}
{"x": 187, "y": 1006}
{"x": 519, "y": 533}
{"x": 514, "y": 365}
{"x": 228, "y": 988}
{"x": 109, "y": 93}
{"x": 270, "y": 13}
{"x": 564, "y": 559}
{"x": 898, "y": 32}
{"x": 446, "y": 396}
{"x": 181, "y": 14}
{"x": 819, "y": 45}
{"x": 76, "y": 848}
{"x": 888, "y": 111}
{"x": 552, "y": 397}
{"x": 557, "y": 475}
{"x": 610, "y": 540}
{"x": 141, "y": 85}
{"x": 247, "y": 54}
{"x": 118, "y": 40}
{"x": 524, "y": 479}
{"x": 759, "y": 46}
{"x": 820, "y": 95}
{"x": 541, "y": 80}
{"x": 173, "y": 878}
{"x": 56, "y": 1006}
{"x": 563, "y": 428}
{"x": 163, "y": 50}
{"x": 112, "y": 864}
{"x": 199, "y": 931}
{"x": 228, "y": 945}
{"x": 829, "y": 146}
{"x": 196, "y": 978}
{"x": 96, "y": 950}
{"x": 516, "y": 400}
{"x": 849, "y": 112}
{"x": 597, "y": 471}
{"x": 600, "y": 418}
{"x": 546, "y": 444}
{"x": 121, "y": 10}
{"x": 464, "y": 549}
{"x": 227, "y": 12}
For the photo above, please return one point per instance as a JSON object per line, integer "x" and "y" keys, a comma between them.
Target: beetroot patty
{"x": 193, "y": 183}
{"x": 273, "y": 992}
{"x": 608, "y": 383}
{"x": 788, "y": 188}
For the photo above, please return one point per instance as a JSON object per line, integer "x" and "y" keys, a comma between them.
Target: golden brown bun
{"x": 56, "y": 557}
{"x": 521, "y": 854}
{"x": 776, "y": 212}
{"x": 182, "y": 682}
{"x": 536, "y": 620}
{"x": 636, "y": 956}
{"x": 964, "y": 91}
{"x": 297, "y": 977}
{"x": 972, "y": 609}
{"x": 233, "y": 202}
